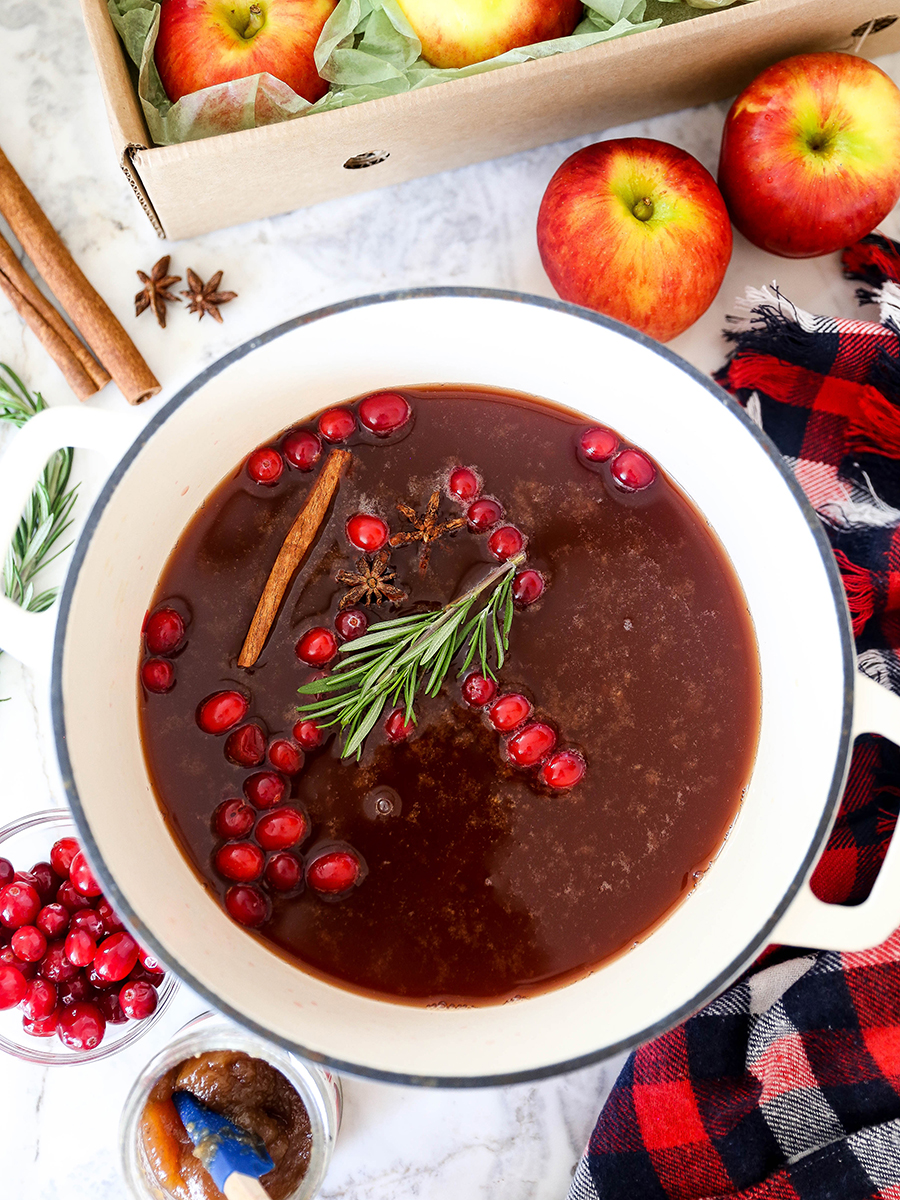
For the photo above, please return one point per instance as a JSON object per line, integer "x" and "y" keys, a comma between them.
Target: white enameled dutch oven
{"x": 814, "y": 702}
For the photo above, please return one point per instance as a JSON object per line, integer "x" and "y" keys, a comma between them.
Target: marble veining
{"x": 475, "y": 226}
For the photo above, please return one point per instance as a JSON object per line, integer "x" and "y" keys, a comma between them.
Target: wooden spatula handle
{"x": 244, "y": 1187}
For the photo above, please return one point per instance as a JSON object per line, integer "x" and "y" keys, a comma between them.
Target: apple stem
{"x": 255, "y": 23}
{"x": 643, "y": 209}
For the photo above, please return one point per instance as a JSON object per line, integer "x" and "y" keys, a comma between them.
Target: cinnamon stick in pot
{"x": 82, "y": 372}
{"x": 292, "y": 553}
{"x": 89, "y": 312}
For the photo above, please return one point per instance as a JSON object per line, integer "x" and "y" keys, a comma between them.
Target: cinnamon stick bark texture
{"x": 292, "y": 553}
{"x": 82, "y": 372}
{"x": 89, "y": 312}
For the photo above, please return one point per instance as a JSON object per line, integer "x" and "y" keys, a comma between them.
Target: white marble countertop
{"x": 58, "y": 1126}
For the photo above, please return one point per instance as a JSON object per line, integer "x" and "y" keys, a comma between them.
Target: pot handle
{"x": 29, "y": 636}
{"x": 810, "y": 921}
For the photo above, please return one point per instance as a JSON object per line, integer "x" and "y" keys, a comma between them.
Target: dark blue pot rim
{"x": 710, "y": 989}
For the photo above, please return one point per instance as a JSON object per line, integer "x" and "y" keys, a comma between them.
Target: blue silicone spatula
{"x": 233, "y": 1157}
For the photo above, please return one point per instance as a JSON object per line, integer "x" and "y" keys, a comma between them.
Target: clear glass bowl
{"x": 24, "y": 842}
{"x": 319, "y": 1090}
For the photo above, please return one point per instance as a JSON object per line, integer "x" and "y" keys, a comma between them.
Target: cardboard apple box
{"x": 198, "y": 186}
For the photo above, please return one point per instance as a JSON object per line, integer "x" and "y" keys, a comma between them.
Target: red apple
{"x": 457, "y": 33}
{"x": 636, "y": 229}
{"x": 204, "y": 42}
{"x": 811, "y": 154}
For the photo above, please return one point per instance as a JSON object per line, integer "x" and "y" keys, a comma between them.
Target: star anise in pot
{"x": 155, "y": 293}
{"x": 371, "y": 582}
{"x": 426, "y": 529}
{"x": 206, "y": 297}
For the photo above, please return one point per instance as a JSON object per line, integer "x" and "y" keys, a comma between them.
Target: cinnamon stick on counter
{"x": 82, "y": 372}
{"x": 292, "y": 553}
{"x": 88, "y": 310}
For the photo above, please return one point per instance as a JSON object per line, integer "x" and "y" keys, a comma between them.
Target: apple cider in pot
{"x": 449, "y": 694}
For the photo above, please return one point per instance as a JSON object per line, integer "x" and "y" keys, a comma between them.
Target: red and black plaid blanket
{"x": 788, "y": 1086}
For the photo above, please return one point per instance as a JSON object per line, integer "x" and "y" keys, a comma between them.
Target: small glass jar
{"x": 319, "y": 1090}
{"x": 23, "y": 842}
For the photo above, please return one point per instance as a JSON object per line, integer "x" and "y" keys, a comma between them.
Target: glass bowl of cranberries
{"x": 75, "y": 986}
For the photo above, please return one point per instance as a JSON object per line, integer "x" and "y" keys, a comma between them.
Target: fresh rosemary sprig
{"x": 399, "y": 656}
{"x": 48, "y": 512}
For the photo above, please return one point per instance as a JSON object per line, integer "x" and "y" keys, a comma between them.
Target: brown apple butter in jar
{"x": 251, "y": 1094}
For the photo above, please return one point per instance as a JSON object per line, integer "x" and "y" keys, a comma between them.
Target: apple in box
{"x": 810, "y": 158}
{"x": 636, "y": 229}
{"x": 457, "y": 33}
{"x": 205, "y": 42}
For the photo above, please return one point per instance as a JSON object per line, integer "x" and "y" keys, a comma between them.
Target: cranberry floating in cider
{"x": 481, "y": 612}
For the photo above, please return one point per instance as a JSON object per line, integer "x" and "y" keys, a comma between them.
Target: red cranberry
{"x": 26, "y": 877}
{"x": 285, "y": 756}
{"x": 42, "y": 1026}
{"x": 302, "y": 449}
{"x": 509, "y": 711}
{"x": 138, "y": 1000}
{"x": 632, "y": 470}
{"x": 531, "y": 744}
{"x": 158, "y": 676}
{"x": 55, "y": 966}
{"x": 478, "y": 690}
{"x": 108, "y": 1003}
{"x": 308, "y": 735}
{"x": 351, "y": 623}
{"x": 80, "y": 947}
{"x": 397, "y": 727}
{"x": 91, "y": 922}
{"x": 29, "y": 944}
{"x": 115, "y": 957}
{"x": 19, "y": 905}
{"x": 53, "y": 920}
{"x": 367, "y": 532}
{"x": 233, "y": 819}
{"x": 483, "y": 514}
{"x": 61, "y": 855}
{"x": 283, "y": 872}
{"x": 221, "y": 711}
{"x": 39, "y": 1000}
{"x": 335, "y": 873}
{"x": 77, "y": 988}
{"x": 563, "y": 769}
{"x": 7, "y": 871}
{"x": 71, "y": 898}
{"x": 97, "y": 981}
{"x": 280, "y": 828}
{"x": 265, "y": 465}
{"x": 9, "y": 958}
{"x": 149, "y": 963}
{"x": 82, "y": 877}
{"x": 527, "y": 587}
{"x": 464, "y": 484}
{"x": 109, "y": 917}
{"x": 81, "y": 1026}
{"x": 597, "y": 444}
{"x": 317, "y": 647}
{"x": 505, "y": 542}
{"x": 337, "y": 424}
{"x": 384, "y": 412}
{"x": 46, "y": 881}
{"x": 265, "y": 789}
{"x": 12, "y": 986}
{"x": 247, "y": 905}
{"x": 246, "y": 746}
{"x": 241, "y": 861}
{"x": 141, "y": 973}
{"x": 164, "y": 631}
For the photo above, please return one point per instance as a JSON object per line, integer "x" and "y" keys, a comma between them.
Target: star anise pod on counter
{"x": 426, "y": 529}
{"x": 205, "y": 297}
{"x": 156, "y": 294}
{"x": 371, "y": 582}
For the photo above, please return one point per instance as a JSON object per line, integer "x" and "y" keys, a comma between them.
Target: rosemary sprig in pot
{"x": 48, "y": 512}
{"x": 399, "y": 657}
